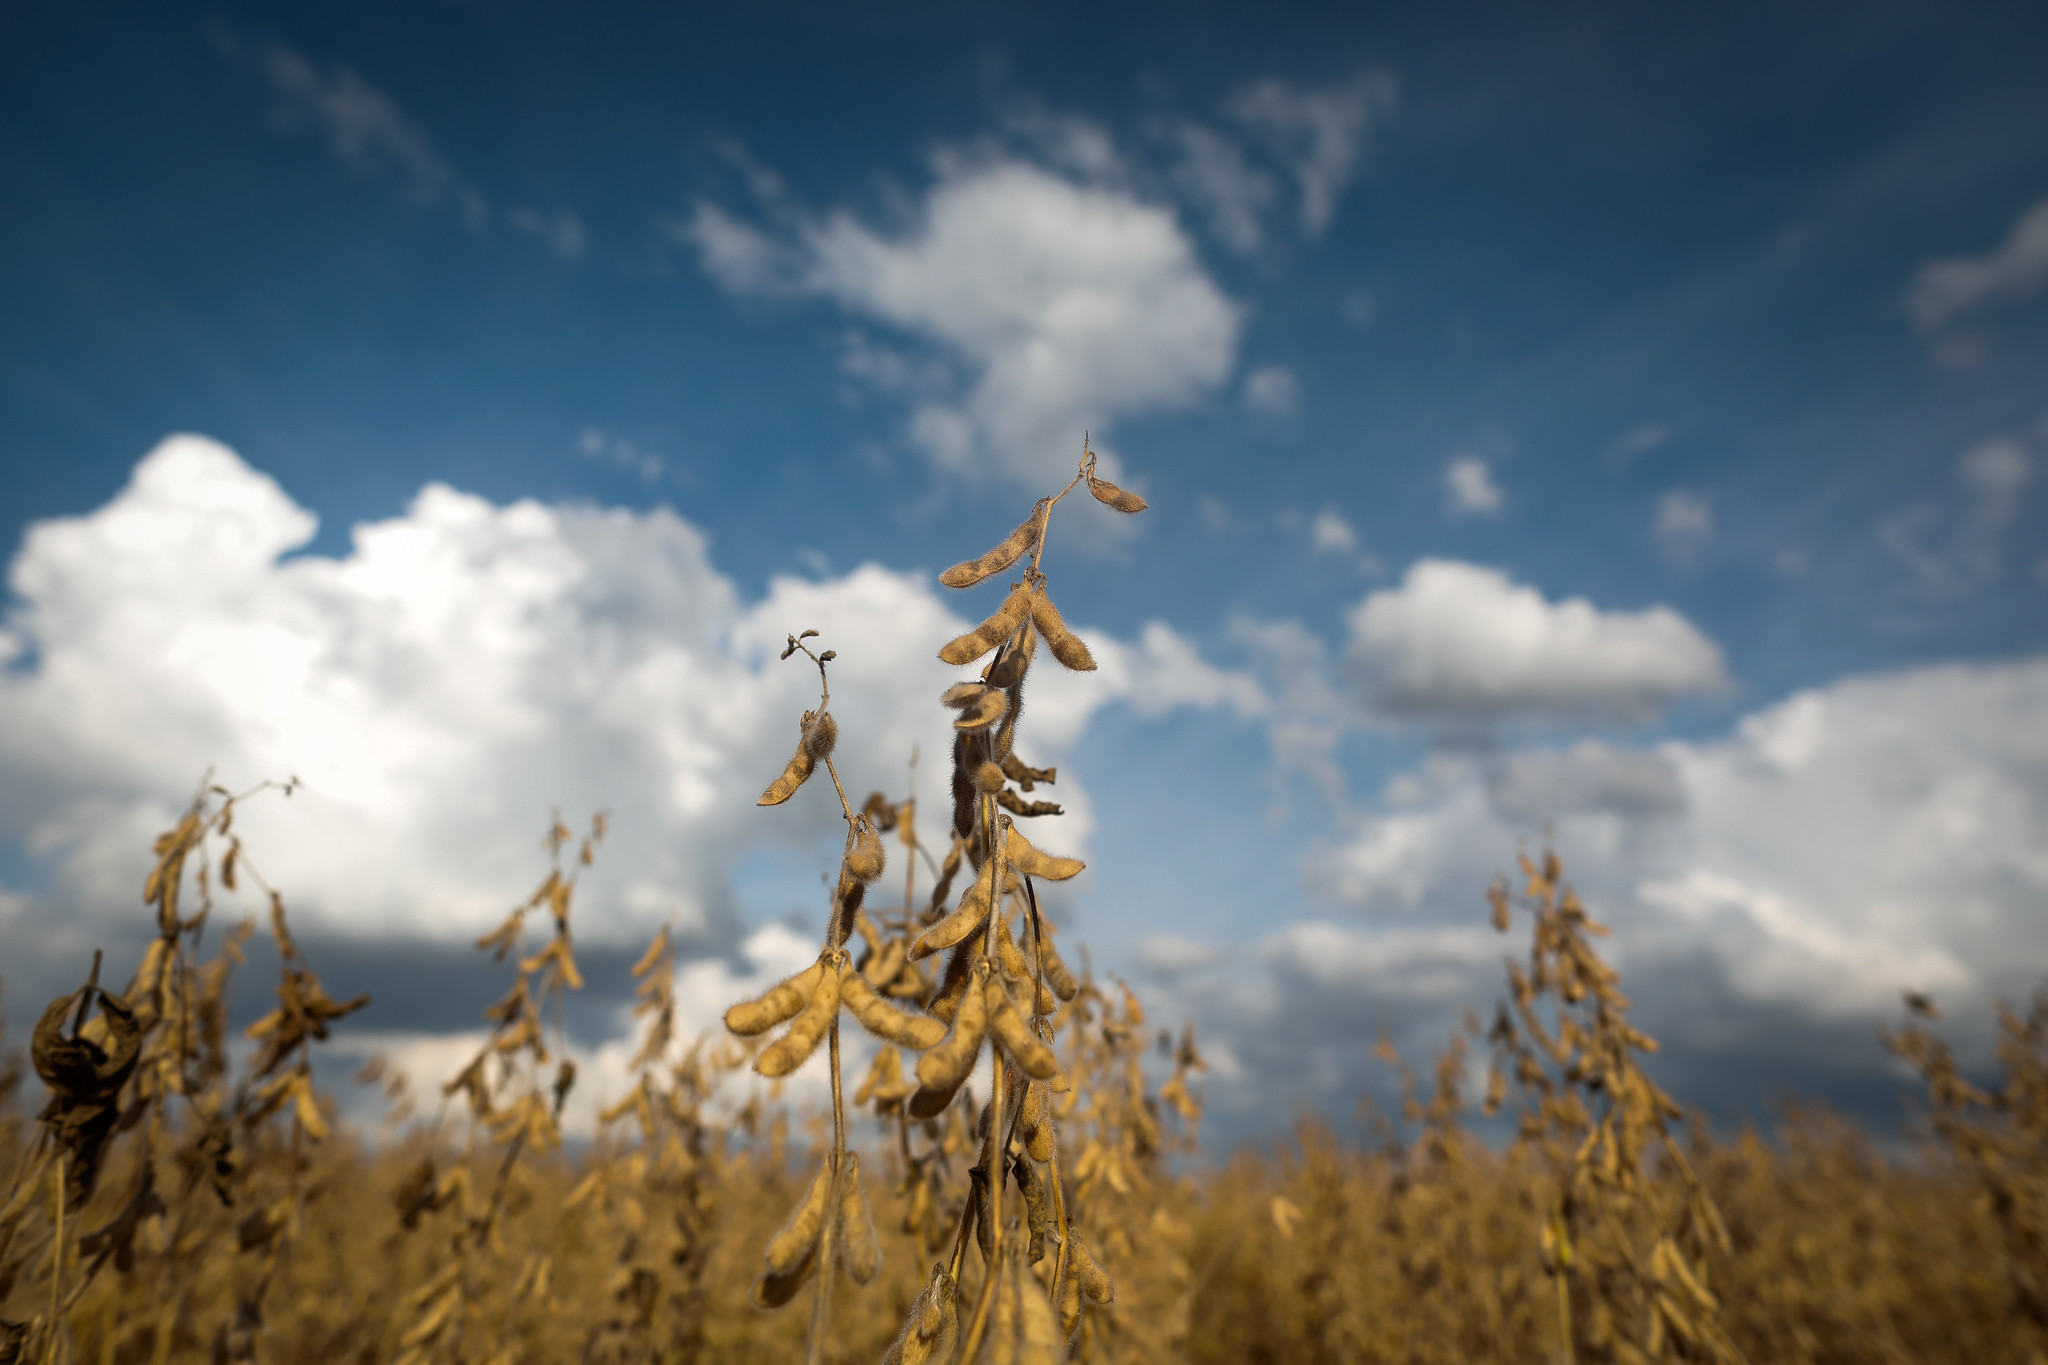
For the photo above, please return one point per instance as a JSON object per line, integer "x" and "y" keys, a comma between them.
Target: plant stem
{"x": 57, "y": 1261}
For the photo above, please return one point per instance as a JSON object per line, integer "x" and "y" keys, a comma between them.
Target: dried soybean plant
{"x": 116, "y": 1071}
{"x": 1002, "y": 984}
{"x": 649, "y": 1203}
{"x": 1999, "y": 1137}
{"x": 1628, "y": 1251}
{"x": 515, "y": 1108}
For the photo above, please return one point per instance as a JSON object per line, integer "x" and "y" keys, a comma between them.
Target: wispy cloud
{"x": 1950, "y": 552}
{"x": 1470, "y": 490}
{"x": 1948, "y": 290}
{"x": 1317, "y": 133}
{"x": 1273, "y": 390}
{"x": 562, "y": 232}
{"x": 367, "y": 130}
{"x": 1684, "y": 524}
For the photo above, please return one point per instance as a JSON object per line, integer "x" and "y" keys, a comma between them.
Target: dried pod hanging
{"x": 1002, "y": 556}
{"x": 779, "y": 1002}
{"x": 992, "y": 631}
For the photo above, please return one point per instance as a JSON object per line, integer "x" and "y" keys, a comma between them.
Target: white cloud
{"x": 1214, "y": 175}
{"x": 1953, "y": 287}
{"x": 1882, "y": 833}
{"x": 595, "y": 444}
{"x": 1164, "y": 671}
{"x": 1318, "y": 134}
{"x": 1469, "y": 488}
{"x": 1685, "y": 523}
{"x": 1948, "y": 552}
{"x": 1272, "y": 389}
{"x": 1072, "y": 305}
{"x": 561, "y": 232}
{"x": 1460, "y": 643}
{"x": 1637, "y": 441}
{"x": 460, "y": 670}
{"x": 739, "y": 256}
{"x": 366, "y": 129}
{"x": 1330, "y": 533}
{"x": 1771, "y": 891}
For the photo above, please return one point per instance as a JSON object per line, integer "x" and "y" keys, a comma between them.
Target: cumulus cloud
{"x": 1317, "y": 133}
{"x": 1469, "y": 489}
{"x": 1772, "y": 890}
{"x": 1461, "y": 644}
{"x": 1067, "y": 304}
{"x": 1954, "y": 287}
{"x": 464, "y": 667}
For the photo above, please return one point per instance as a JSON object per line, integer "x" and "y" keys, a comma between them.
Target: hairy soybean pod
{"x": 1065, "y": 645}
{"x": 1056, "y": 974}
{"x": 879, "y": 1017}
{"x": 1109, "y": 495}
{"x": 1002, "y": 556}
{"x": 798, "y": 1238}
{"x": 959, "y": 926}
{"x": 788, "y": 1052}
{"x": 1030, "y": 861}
{"x": 946, "y": 1066}
{"x": 985, "y": 710}
{"x": 932, "y": 1332}
{"x": 1092, "y": 1278}
{"x": 993, "y": 631}
{"x": 865, "y": 859}
{"x": 780, "y": 1002}
{"x": 775, "y": 1289}
{"x": 856, "y": 1227}
{"x": 1024, "y": 1047}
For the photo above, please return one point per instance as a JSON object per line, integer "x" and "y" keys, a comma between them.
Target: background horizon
{"x": 1622, "y": 430}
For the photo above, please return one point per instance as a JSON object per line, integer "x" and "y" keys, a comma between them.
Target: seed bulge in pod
{"x": 1023, "y": 1047}
{"x": 932, "y": 1332}
{"x": 946, "y": 1066}
{"x": 879, "y": 1017}
{"x": 865, "y": 859}
{"x": 798, "y": 1237}
{"x": 779, "y": 1002}
{"x": 806, "y": 1031}
{"x": 988, "y": 709}
{"x": 992, "y": 631}
{"x": 1094, "y": 1281}
{"x": 1110, "y": 495}
{"x": 1003, "y": 555}
{"x": 1065, "y": 645}
{"x": 820, "y": 736}
{"x": 1032, "y": 862}
{"x": 988, "y": 778}
{"x": 856, "y": 1227}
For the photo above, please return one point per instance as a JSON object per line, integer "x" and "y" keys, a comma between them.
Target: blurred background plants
{"x": 182, "y": 1189}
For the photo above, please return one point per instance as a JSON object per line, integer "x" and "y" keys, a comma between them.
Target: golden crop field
{"x": 175, "y": 1194}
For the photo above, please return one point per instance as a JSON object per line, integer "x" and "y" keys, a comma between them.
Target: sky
{"x": 1614, "y": 429}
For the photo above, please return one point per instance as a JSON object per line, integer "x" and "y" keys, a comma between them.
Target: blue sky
{"x": 1618, "y": 424}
